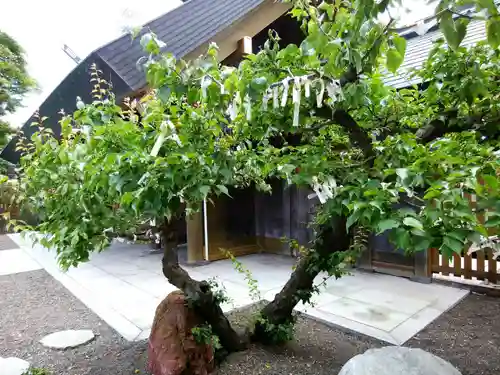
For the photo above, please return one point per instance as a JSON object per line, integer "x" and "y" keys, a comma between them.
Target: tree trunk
{"x": 200, "y": 294}
{"x": 329, "y": 238}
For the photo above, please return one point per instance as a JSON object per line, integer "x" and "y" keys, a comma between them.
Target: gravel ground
{"x": 316, "y": 350}
{"x": 33, "y": 304}
{"x": 468, "y": 336}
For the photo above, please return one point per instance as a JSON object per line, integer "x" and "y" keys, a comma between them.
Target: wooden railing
{"x": 483, "y": 266}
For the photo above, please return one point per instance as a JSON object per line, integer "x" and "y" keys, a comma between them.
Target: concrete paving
{"x": 125, "y": 284}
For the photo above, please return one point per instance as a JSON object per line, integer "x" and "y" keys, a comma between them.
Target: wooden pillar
{"x": 194, "y": 229}
{"x": 244, "y": 46}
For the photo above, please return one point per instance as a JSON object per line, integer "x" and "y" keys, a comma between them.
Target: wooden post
{"x": 194, "y": 228}
{"x": 244, "y": 46}
{"x": 423, "y": 271}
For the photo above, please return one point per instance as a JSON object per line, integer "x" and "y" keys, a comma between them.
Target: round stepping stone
{"x": 397, "y": 360}
{"x": 68, "y": 339}
{"x": 13, "y": 366}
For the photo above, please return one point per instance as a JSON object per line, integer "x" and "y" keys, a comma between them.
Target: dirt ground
{"x": 468, "y": 336}
{"x": 33, "y": 304}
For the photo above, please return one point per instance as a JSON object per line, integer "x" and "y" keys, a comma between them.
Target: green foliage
{"x": 203, "y": 335}
{"x": 14, "y": 79}
{"x": 219, "y": 291}
{"x": 278, "y": 334}
{"x": 315, "y": 114}
{"x": 36, "y": 371}
{"x": 252, "y": 283}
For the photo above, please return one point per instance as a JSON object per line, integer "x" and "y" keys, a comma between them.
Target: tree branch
{"x": 357, "y": 135}
{"x": 199, "y": 293}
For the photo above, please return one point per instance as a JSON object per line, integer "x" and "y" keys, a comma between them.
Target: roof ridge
{"x": 176, "y": 9}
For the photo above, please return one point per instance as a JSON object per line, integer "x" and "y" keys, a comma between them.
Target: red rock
{"x": 172, "y": 349}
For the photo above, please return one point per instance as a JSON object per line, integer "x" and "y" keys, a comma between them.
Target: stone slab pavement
{"x": 124, "y": 284}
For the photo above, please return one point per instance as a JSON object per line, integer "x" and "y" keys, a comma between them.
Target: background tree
{"x": 14, "y": 84}
{"x": 14, "y": 79}
{"x": 315, "y": 115}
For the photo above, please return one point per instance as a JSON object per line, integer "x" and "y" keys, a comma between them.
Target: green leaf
{"x": 352, "y": 219}
{"x": 204, "y": 190}
{"x": 402, "y": 238}
{"x": 493, "y": 32}
{"x": 461, "y": 29}
{"x": 307, "y": 49}
{"x": 412, "y": 222}
{"x": 223, "y": 189}
{"x": 400, "y": 44}
{"x": 423, "y": 244}
{"x": 481, "y": 229}
{"x": 453, "y": 31}
{"x": 386, "y": 225}
{"x": 488, "y": 4}
{"x": 453, "y": 244}
{"x": 164, "y": 93}
{"x": 494, "y": 222}
{"x": 432, "y": 194}
{"x": 447, "y": 27}
{"x": 394, "y": 60}
{"x": 491, "y": 181}
{"x": 259, "y": 83}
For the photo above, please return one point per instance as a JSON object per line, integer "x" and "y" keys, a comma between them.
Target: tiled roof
{"x": 182, "y": 29}
{"x": 419, "y": 47}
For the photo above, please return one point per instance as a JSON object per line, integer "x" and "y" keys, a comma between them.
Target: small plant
{"x": 296, "y": 249}
{"x": 278, "y": 334}
{"x": 251, "y": 281}
{"x": 203, "y": 335}
{"x": 219, "y": 291}
{"x": 36, "y": 371}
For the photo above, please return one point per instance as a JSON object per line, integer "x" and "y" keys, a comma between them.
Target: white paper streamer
{"x": 205, "y": 82}
{"x": 307, "y": 87}
{"x": 296, "y": 90}
{"x": 296, "y": 95}
{"x": 248, "y": 108}
{"x": 174, "y": 137}
{"x": 158, "y": 144}
{"x": 231, "y": 111}
{"x": 265, "y": 100}
{"x": 320, "y": 93}
{"x": 234, "y": 106}
{"x": 331, "y": 90}
{"x": 275, "y": 97}
{"x": 166, "y": 127}
{"x": 284, "y": 98}
{"x": 325, "y": 191}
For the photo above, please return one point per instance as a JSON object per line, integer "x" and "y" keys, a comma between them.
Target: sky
{"x": 42, "y": 27}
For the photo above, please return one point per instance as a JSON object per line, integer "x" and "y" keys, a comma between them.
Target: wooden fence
{"x": 483, "y": 266}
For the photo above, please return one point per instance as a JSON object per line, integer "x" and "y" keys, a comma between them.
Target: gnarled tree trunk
{"x": 199, "y": 294}
{"x": 330, "y": 237}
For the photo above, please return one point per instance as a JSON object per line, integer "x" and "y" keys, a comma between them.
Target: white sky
{"x": 43, "y": 26}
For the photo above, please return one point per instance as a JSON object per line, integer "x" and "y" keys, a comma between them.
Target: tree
{"x": 14, "y": 79}
{"x": 14, "y": 84}
{"x": 321, "y": 106}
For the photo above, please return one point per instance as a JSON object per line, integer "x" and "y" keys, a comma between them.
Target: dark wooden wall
{"x": 282, "y": 214}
